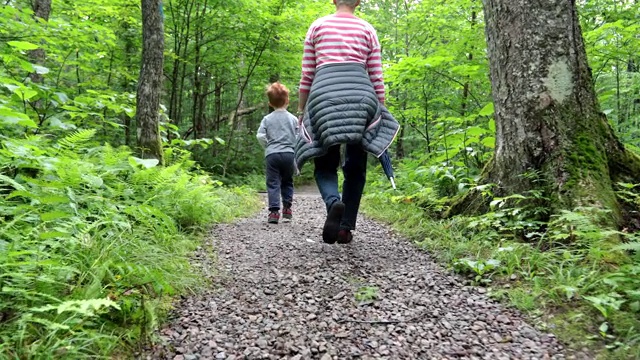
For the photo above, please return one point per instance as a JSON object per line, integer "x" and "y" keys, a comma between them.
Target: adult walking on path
{"x": 342, "y": 98}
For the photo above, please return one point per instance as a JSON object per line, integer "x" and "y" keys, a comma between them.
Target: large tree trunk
{"x": 548, "y": 120}
{"x": 150, "y": 83}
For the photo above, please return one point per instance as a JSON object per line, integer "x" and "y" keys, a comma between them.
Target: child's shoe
{"x": 274, "y": 217}
{"x": 287, "y": 213}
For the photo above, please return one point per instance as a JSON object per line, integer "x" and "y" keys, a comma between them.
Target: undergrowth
{"x": 94, "y": 242}
{"x": 570, "y": 276}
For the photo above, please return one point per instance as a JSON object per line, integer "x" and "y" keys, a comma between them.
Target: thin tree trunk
{"x": 426, "y": 118}
{"x": 548, "y": 121}
{"x": 195, "y": 121}
{"x": 126, "y": 85}
{"x": 42, "y": 11}
{"x": 202, "y": 108}
{"x": 465, "y": 99}
{"x": 106, "y": 109}
{"x": 185, "y": 54}
{"x": 197, "y": 112}
{"x": 218, "y": 106}
{"x": 78, "y": 80}
{"x": 150, "y": 83}
{"x": 178, "y": 33}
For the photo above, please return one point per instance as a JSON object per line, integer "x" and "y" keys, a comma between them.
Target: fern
{"x": 7, "y": 180}
{"x": 74, "y": 140}
{"x": 632, "y": 246}
{"x": 81, "y": 307}
{"x": 83, "y": 224}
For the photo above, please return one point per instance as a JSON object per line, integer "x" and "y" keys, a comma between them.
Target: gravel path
{"x": 282, "y": 294}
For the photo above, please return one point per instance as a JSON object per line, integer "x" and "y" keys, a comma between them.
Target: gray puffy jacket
{"x": 343, "y": 108}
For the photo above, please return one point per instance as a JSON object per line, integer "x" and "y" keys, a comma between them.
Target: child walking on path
{"x": 277, "y": 134}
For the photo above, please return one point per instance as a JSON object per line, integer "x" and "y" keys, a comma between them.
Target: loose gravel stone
{"x": 280, "y": 293}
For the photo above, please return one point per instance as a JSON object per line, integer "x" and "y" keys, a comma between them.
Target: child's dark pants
{"x": 280, "y": 170}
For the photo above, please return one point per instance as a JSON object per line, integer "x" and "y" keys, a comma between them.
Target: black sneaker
{"x": 332, "y": 224}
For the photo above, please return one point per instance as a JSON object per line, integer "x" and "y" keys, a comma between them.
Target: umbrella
{"x": 385, "y": 161}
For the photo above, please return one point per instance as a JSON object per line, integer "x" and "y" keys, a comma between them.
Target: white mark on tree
{"x": 558, "y": 82}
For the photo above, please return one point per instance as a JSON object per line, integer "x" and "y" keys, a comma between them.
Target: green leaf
{"x": 11, "y": 117}
{"x": 23, "y": 45}
{"x": 476, "y": 131}
{"x": 82, "y": 307}
{"x": 487, "y": 110}
{"x": 147, "y": 163}
{"x": 57, "y": 123}
{"x": 24, "y": 93}
{"x": 62, "y": 97}
{"x": 52, "y": 235}
{"x": 93, "y": 181}
{"x": 53, "y": 215}
{"x": 489, "y": 142}
{"x": 7, "y": 180}
{"x": 604, "y": 327}
{"x": 40, "y": 69}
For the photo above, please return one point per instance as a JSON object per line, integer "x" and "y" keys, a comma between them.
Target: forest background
{"x": 79, "y": 205}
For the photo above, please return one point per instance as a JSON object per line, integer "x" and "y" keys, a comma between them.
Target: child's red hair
{"x": 278, "y": 95}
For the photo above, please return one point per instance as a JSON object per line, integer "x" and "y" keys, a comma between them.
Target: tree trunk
{"x": 197, "y": 112}
{"x": 217, "y": 105}
{"x": 185, "y": 56}
{"x": 41, "y": 10}
{"x": 180, "y": 24}
{"x": 127, "y": 85}
{"x": 548, "y": 120}
{"x": 150, "y": 83}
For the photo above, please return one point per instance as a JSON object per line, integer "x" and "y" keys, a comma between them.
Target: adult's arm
{"x": 308, "y": 68}
{"x": 374, "y": 65}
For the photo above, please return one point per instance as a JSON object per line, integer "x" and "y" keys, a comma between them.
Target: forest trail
{"x": 282, "y": 294}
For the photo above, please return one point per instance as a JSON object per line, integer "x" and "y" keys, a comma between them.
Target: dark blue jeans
{"x": 355, "y": 176}
{"x": 280, "y": 170}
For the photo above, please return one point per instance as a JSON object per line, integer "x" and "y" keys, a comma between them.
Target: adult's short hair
{"x": 350, "y": 3}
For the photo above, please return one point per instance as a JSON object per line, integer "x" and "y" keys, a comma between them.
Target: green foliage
{"x": 610, "y": 31}
{"x": 565, "y": 266}
{"x": 97, "y": 236}
{"x": 366, "y": 294}
{"x": 479, "y": 267}
{"x": 94, "y": 240}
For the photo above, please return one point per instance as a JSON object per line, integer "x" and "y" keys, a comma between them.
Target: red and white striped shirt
{"x": 342, "y": 38}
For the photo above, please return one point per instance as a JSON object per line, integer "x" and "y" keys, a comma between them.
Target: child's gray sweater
{"x": 277, "y": 132}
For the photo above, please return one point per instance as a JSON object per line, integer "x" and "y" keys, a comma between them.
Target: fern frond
{"x": 633, "y": 246}
{"x": 7, "y": 180}
{"x": 77, "y": 138}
